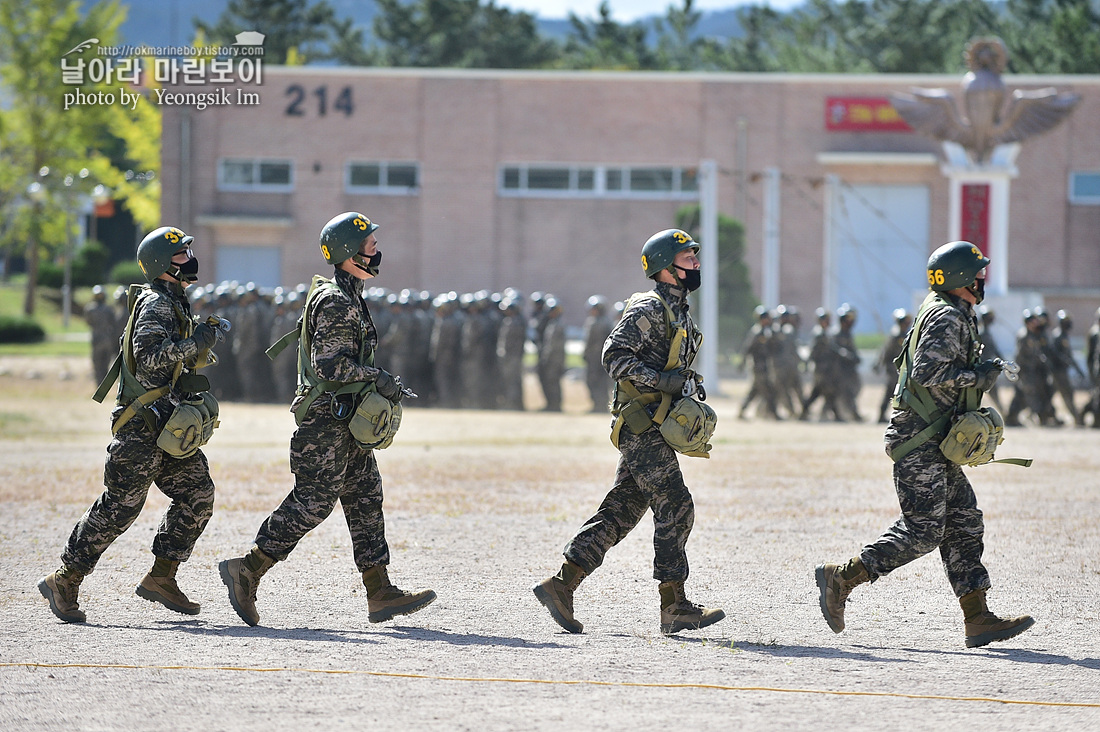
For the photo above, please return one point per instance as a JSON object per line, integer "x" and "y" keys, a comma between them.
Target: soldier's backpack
{"x": 685, "y": 424}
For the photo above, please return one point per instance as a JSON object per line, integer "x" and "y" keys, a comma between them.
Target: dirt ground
{"x": 478, "y": 507}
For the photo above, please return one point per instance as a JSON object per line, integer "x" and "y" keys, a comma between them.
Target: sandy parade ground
{"x": 478, "y": 507}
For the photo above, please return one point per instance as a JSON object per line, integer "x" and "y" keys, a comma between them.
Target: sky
{"x": 626, "y": 11}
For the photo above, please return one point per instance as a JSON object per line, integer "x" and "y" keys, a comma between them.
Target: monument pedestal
{"x": 979, "y": 206}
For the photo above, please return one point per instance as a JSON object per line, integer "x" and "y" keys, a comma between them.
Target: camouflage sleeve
{"x": 335, "y": 330}
{"x": 942, "y": 353}
{"x": 158, "y": 346}
{"x": 636, "y": 344}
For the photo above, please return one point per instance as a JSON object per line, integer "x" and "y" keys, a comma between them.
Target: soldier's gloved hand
{"x": 987, "y": 372}
{"x": 671, "y": 382}
{"x": 388, "y": 386}
{"x": 205, "y": 336}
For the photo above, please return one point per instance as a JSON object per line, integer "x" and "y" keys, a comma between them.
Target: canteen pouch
{"x": 974, "y": 437}
{"x": 375, "y": 421}
{"x": 190, "y": 426}
{"x": 688, "y": 427}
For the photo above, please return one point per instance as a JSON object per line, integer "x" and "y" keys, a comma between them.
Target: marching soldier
{"x": 336, "y": 350}
{"x": 551, "y": 365}
{"x": 824, "y": 358}
{"x": 1033, "y": 386}
{"x": 160, "y": 349}
{"x": 885, "y": 363}
{"x": 758, "y": 347}
{"x": 638, "y": 354}
{"x": 787, "y": 360}
{"x": 1092, "y": 363}
{"x": 847, "y": 361}
{"x": 990, "y": 349}
{"x": 938, "y": 506}
{"x": 1061, "y": 361}
{"x": 511, "y": 338}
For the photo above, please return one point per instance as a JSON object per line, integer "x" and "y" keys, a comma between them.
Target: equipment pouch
{"x": 974, "y": 437}
{"x": 636, "y": 417}
{"x": 190, "y": 426}
{"x": 688, "y": 427}
{"x": 375, "y": 421}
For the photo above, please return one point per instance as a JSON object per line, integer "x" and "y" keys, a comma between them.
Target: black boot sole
{"x": 548, "y": 602}
{"x": 47, "y": 592}
{"x": 389, "y": 613}
{"x": 157, "y": 597}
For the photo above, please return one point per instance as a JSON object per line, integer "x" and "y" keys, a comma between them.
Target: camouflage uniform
{"x": 648, "y": 475}
{"x": 938, "y": 506}
{"x": 134, "y": 462}
{"x": 597, "y": 327}
{"x": 890, "y": 350}
{"x": 758, "y": 347}
{"x": 328, "y": 464}
{"x": 824, "y": 358}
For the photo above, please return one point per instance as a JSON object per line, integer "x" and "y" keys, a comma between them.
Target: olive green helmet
{"x": 342, "y": 235}
{"x": 954, "y": 265}
{"x": 661, "y": 248}
{"x": 154, "y": 253}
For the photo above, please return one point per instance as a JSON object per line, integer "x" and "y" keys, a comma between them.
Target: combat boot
{"x": 61, "y": 589}
{"x": 983, "y": 627}
{"x": 678, "y": 613}
{"x": 242, "y": 577}
{"x": 556, "y": 594}
{"x": 160, "y": 586}
{"x": 384, "y": 599}
{"x": 836, "y": 583}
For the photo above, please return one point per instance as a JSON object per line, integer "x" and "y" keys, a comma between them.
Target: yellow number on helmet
{"x": 360, "y": 224}
{"x": 681, "y": 237}
{"x": 324, "y": 250}
{"x": 645, "y": 263}
{"x": 931, "y": 278}
{"x": 172, "y": 236}
{"x": 939, "y": 276}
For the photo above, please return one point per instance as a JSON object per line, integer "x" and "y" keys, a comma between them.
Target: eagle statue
{"x": 987, "y": 122}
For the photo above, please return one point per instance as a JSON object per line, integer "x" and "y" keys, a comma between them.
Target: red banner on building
{"x": 975, "y": 215}
{"x": 863, "y": 114}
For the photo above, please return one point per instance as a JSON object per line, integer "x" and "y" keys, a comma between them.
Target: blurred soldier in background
{"x": 824, "y": 358}
{"x": 511, "y": 338}
{"x": 848, "y": 380}
{"x": 288, "y": 308}
{"x": 446, "y": 349}
{"x": 787, "y": 361}
{"x": 885, "y": 363}
{"x": 597, "y": 327}
{"x": 758, "y": 347}
{"x": 252, "y": 333}
{"x": 551, "y": 365}
{"x": 1061, "y": 361}
{"x": 105, "y": 332}
{"x": 1033, "y": 389}
{"x": 1092, "y": 363}
{"x": 990, "y": 350}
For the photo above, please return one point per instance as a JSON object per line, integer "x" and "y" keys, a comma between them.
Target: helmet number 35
{"x": 935, "y": 276}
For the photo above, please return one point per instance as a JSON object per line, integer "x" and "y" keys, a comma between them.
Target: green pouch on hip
{"x": 974, "y": 437}
{"x": 375, "y": 421}
{"x": 689, "y": 426}
{"x": 190, "y": 426}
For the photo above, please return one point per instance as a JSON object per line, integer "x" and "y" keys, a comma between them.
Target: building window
{"x": 1084, "y": 187}
{"x": 589, "y": 181}
{"x": 389, "y": 178}
{"x": 246, "y": 174}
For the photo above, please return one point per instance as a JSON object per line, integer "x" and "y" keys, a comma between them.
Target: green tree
{"x": 736, "y": 301}
{"x": 459, "y": 34}
{"x": 296, "y": 30}
{"x": 607, "y": 44}
{"x": 676, "y": 49}
{"x": 37, "y": 134}
{"x": 1052, "y": 36}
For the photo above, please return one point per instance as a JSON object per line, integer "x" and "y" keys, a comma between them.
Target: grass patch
{"x": 60, "y": 341}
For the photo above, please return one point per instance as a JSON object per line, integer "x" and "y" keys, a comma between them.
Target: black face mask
{"x": 690, "y": 278}
{"x": 370, "y": 264}
{"x": 186, "y": 272}
{"x": 978, "y": 290}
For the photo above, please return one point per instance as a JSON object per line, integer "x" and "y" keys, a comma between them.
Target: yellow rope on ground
{"x": 566, "y": 682}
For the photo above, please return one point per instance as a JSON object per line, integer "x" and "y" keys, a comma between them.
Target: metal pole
{"x": 708, "y": 255}
{"x": 828, "y": 290}
{"x": 67, "y": 285}
{"x": 770, "y": 294}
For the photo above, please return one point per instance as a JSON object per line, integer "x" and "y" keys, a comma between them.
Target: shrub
{"x": 127, "y": 273}
{"x": 20, "y": 330}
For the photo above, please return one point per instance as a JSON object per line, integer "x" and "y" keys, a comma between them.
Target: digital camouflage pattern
{"x": 648, "y": 475}
{"x": 328, "y": 464}
{"x": 134, "y": 462}
{"x": 938, "y": 505}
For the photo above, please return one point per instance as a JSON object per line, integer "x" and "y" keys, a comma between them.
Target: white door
{"x": 249, "y": 264}
{"x": 880, "y": 235}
